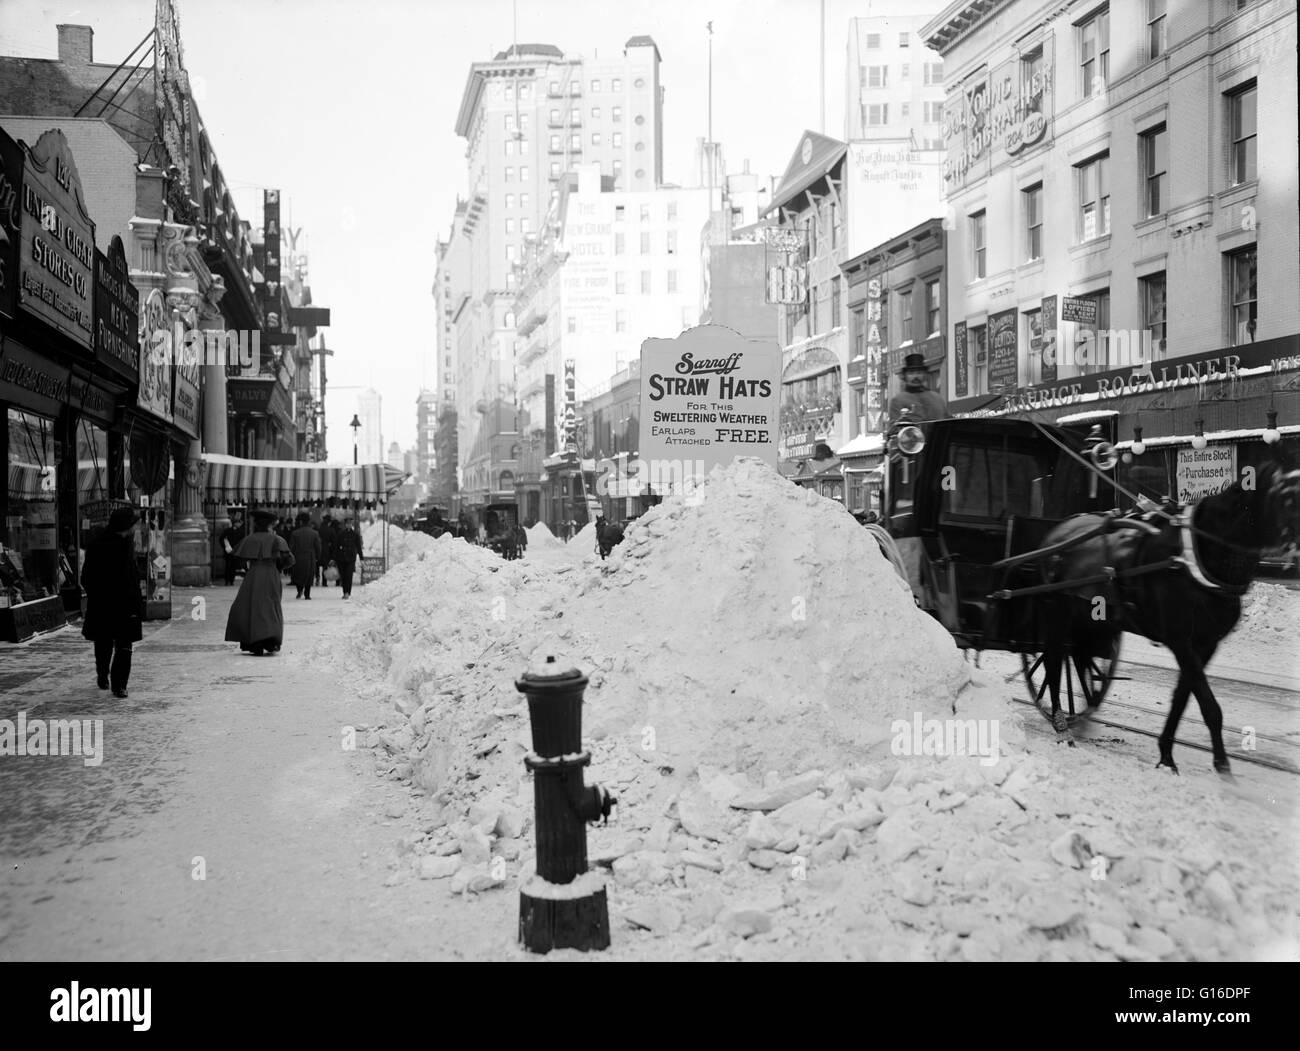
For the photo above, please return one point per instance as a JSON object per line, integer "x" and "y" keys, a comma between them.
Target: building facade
{"x": 370, "y": 436}
{"x": 1124, "y": 239}
{"x": 893, "y": 81}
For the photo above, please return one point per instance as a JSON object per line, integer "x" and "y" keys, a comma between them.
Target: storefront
{"x": 861, "y": 461}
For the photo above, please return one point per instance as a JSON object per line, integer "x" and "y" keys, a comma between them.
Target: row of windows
{"x": 575, "y": 87}
{"x": 1099, "y": 347}
{"x": 575, "y": 142}
{"x": 1092, "y": 215}
{"x": 573, "y": 324}
{"x": 878, "y": 76}
{"x": 620, "y": 212}
{"x": 873, "y": 40}
{"x": 620, "y": 244}
{"x": 556, "y": 118}
{"x": 876, "y": 114}
{"x": 645, "y": 285}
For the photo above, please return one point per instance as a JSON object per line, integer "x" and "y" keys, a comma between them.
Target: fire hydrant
{"x": 557, "y": 909}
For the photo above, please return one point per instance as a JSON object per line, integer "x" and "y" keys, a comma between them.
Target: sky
{"x": 349, "y": 109}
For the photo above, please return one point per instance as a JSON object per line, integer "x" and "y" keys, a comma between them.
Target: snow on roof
{"x": 1083, "y": 417}
{"x": 1210, "y": 436}
{"x": 862, "y": 445}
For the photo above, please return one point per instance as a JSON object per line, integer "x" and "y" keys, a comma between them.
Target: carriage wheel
{"x": 1086, "y": 680}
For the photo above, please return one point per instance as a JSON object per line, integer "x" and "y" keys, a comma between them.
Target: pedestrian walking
{"x": 305, "y": 545}
{"x": 256, "y": 618}
{"x": 347, "y": 550}
{"x": 230, "y": 539}
{"x": 114, "y": 602}
{"x": 326, "y": 550}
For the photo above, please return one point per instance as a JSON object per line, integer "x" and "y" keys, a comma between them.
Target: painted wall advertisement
{"x": 1003, "y": 351}
{"x": 588, "y": 279}
{"x": 1205, "y": 472}
{"x": 57, "y": 257}
{"x": 1047, "y": 350}
{"x": 707, "y": 396}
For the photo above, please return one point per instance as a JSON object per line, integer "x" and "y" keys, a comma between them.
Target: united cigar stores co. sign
{"x": 998, "y": 113}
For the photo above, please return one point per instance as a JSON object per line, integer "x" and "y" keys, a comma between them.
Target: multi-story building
{"x": 426, "y": 434}
{"x": 370, "y": 436}
{"x": 894, "y": 81}
{"x": 1124, "y": 221}
{"x": 529, "y": 116}
{"x": 835, "y": 200}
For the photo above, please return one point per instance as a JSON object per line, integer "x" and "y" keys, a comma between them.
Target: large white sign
{"x": 708, "y": 396}
{"x": 1206, "y": 471}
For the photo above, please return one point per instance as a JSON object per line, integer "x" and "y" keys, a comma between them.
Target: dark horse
{"x": 1178, "y": 580}
{"x": 607, "y": 536}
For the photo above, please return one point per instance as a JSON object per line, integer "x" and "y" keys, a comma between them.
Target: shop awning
{"x": 231, "y": 480}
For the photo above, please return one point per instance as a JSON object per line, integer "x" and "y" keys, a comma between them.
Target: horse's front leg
{"x": 1211, "y": 713}
{"x": 1182, "y": 690}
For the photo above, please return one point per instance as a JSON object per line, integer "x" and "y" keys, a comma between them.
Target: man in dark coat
{"x": 326, "y": 549}
{"x": 229, "y": 541}
{"x": 305, "y": 544}
{"x": 114, "y": 603}
{"x": 347, "y": 549}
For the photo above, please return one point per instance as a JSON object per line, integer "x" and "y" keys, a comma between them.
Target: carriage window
{"x": 991, "y": 483}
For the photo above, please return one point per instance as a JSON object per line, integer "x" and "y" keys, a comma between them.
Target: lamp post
{"x": 356, "y": 426}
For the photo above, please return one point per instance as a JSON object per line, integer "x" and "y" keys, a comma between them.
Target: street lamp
{"x": 356, "y": 426}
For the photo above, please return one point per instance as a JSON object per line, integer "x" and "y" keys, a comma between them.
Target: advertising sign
{"x": 960, "y": 364}
{"x": 706, "y": 397}
{"x": 785, "y": 263}
{"x": 11, "y": 188}
{"x": 271, "y": 266}
{"x": 588, "y": 282}
{"x": 569, "y": 421}
{"x": 155, "y": 395}
{"x": 1047, "y": 351}
{"x": 117, "y": 313}
{"x": 1003, "y": 351}
{"x": 56, "y": 260}
{"x": 1205, "y": 472}
{"x": 1081, "y": 310}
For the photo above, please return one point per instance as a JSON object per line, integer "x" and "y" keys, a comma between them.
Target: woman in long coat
{"x": 114, "y": 604}
{"x": 305, "y": 545}
{"x": 256, "y": 619}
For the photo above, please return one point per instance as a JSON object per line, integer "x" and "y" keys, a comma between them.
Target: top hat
{"x": 122, "y": 518}
{"x": 912, "y": 361}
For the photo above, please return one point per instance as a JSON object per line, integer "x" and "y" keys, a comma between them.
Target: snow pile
{"x": 540, "y": 536}
{"x": 748, "y": 659}
{"x": 1270, "y": 609}
{"x": 403, "y": 545}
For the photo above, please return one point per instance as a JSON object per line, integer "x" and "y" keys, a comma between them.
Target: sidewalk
{"x": 220, "y": 765}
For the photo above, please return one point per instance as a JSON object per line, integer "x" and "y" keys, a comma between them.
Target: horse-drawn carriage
{"x": 1008, "y": 533}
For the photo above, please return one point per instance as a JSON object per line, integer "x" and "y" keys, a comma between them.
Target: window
{"x": 1155, "y": 164}
{"x": 905, "y": 315}
{"x": 555, "y": 120}
{"x": 645, "y": 282}
{"x": 638, "y": 120}
{"x": 1094, "y": 198}
{"x": 933, "y": 73}
{"x": 1033, "y": 200}
{"x": 573, "y": 324}
{"x": 523, "y": 146}
{"x": 645, "y": 213}
{"x": 575, "y": 142}
{"x": 1242, "y": 114}
{"x": 932, "y": 308}
{"x": 510, "y": 175}
{"x": 510, "y": 147}
{"x": 933, "y": 112}
{"x": 618, "y": 168}
{"x": 617, "y": 114}
{"x": 512, "y": 253}
{"x": 595, "y": 113}
{"x": 510, "y": 92}
{"x": 672, "y": 211}
{"x": 672, "y": 280}
{"x": 620, "y": 213}
{"x": 645, "y": 243}
{"x": 525, "y": 92}
{"x": 877, "y": 76}
{"x": 620, "y": 244}
{"x": 618, "y": 140}
{"x": 510, "y": 122}
{"x": 1241, "y": 276}
{"x": 510, "y": 226}
{"x": 979, "y": 355}
{"x": 575, "y": 119}
{"x": 1092, "y": 342}
{"x": 904, "y": 109}
{"x": 523, "y": 200}
{"x": 1152, "y": 290}
{"x": 877, "y": 114}
{"x": 640, "y": 173}
{"x": 1094, "y": 54}
{"x": 1156, "y": 43}
{"x": 836, "y": 302}
{"x": 595, "y": 86}
{"x": 575, "y": 89}
{"x": 525, "y": 226}
{"x": 555, "y": 144}
{"x": 616, "y": 84}
{"x": 672, "y": 242}
{"x": 906, "y": 73}
{"x": 1031, "y": 80}
{"x": 620, "y": 283}
{"x": 555, "y": 169}
{"x": 1034, "y": 341}
{"x": 510, "y": 200}
{"x": 595, "y": 138}
{"x": 903, "y": 40}
{"x": 639, "y": 83}
{"x": 523, "y": 173}
{"x": 873, "y": 41}
{"x": 978, "y": 246}
{"x": 554, "y": 88}
{"x": 620, "y": 320}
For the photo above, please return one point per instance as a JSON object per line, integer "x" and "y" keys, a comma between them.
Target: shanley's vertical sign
{"x": 706, "y": 397}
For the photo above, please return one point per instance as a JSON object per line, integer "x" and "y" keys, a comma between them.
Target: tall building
{"x": 1124, "y": 215}
{"x": 529, "y": 116}
{"x": 426, "y": 433}
{"x": 894, "y": 81}
{"x": 370, "y": 437}
{"x": 396, "y": 458}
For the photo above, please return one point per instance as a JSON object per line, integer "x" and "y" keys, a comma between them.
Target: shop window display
{"x": 29, "y": 552}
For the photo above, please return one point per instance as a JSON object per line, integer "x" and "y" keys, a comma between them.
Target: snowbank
{"x": 403, "y": 545}
{"x": 540, "y": 536}
{"x": 756, "y": 671}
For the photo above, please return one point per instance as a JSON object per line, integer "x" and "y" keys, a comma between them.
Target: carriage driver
{"x": 925, "y": 405}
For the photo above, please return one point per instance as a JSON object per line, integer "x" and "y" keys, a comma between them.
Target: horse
{"x": 1175, "y": 578}
{"x": 608, "y": 536}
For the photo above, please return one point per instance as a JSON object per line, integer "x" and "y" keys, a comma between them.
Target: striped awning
{"x": 231, "y": 480}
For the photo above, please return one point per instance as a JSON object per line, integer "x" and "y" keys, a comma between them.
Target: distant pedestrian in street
{"x": 305, "y": 545}
{"x": 256, "y": 619}
{"x": 326, "y": 535}
{"x": 230, "y": 540}
{"x": 347, "y": 549}
{"x": 114, "y": 603}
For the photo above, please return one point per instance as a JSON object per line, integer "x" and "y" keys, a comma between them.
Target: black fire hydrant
{"x": 550, "y": 918}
